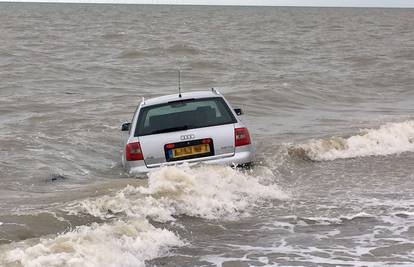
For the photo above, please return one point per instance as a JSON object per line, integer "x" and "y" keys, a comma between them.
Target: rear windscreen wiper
{"x": 173, "y": 129}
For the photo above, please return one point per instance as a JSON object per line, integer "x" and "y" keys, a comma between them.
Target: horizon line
{"x": 132, "y": 2}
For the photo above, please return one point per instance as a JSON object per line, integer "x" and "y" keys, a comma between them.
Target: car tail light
{"x": 134, "y": 152}
{"x": 242, "y": 137}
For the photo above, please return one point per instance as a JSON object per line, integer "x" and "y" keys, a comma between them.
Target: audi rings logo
{"x": 187, "y": 137}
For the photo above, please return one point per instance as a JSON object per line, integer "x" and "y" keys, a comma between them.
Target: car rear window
{"x": 182, "y": 115}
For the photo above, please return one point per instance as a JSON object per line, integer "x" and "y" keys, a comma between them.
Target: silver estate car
{"x": 190, "y": 127}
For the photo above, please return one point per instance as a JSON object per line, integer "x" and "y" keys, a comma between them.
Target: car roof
{"x": 186, "y": 95}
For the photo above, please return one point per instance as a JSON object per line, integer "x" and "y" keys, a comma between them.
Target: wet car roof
{"x": 173, "y": 97}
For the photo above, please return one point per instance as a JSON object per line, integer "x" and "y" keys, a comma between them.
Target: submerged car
{"x": 189, "y": 127}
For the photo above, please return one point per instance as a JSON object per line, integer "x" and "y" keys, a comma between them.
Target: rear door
{"x": 195, "y": 129}
{"x": 155, "y": 150}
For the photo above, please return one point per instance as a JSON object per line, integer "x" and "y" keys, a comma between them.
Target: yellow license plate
{"x": 191, "y": 150}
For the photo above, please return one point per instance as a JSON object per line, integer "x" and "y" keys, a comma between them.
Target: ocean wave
{"x": 132, "y": 54}
{"x": 209, "y": 192}
{"x": 110, "y": 244}
{"x": 335, "y": 220}
{"x": 206, "y": 65}
{"x": 126, "y": 237}
{"x": 181, "y": 49}
{"x": 113, "y": 35}
{"x": 390, "y": 138}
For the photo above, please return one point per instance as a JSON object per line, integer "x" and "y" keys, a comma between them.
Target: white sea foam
{"x": 334, "y": 220}
{"x": 127, "y": 238}
{"x": 208, "y": 192}
{"x": 111, "y": 244}
{"x": 390, "y": 138}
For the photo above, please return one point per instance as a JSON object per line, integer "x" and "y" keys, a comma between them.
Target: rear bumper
{"x": 242, "y": 156}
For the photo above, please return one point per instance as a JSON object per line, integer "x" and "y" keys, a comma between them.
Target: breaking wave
{"x": 209, "y": 192}
{"x": 390, "y": 138}
{"x": 109, "y": 244}
{"x": 127, "y": 238}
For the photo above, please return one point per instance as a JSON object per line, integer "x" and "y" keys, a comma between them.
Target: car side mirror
{"x": 125, "y": 126}
{"x": 238, "y": 111}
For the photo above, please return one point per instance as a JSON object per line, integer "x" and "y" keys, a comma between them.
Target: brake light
{"x": 134, "y": 152}
{"x": 241, "y": 136}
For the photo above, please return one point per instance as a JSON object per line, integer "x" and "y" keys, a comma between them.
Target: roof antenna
{"x": 179, "y": 83}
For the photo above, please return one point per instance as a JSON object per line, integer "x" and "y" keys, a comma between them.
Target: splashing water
{"x": 390, "y": 138}
{"x": 113, "y": 244}
{"x": 128, "y": 239}
{"x": 209, "y": 192}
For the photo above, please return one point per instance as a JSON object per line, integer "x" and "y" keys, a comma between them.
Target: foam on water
{"x": 379, "y": 234}
{"x": 127, "y": 238}
{"x": 390, "y": 138}
{"x": 111, "y": 244}
{"x": 209, "y": 192}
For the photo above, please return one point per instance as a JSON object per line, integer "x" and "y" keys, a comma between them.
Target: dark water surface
{"x": 328, "y": 94}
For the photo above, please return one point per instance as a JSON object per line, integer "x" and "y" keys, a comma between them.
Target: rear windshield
{"x": 183, "y": 115}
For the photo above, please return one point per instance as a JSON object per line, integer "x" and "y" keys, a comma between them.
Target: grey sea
{"x": 328, "y": 95}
